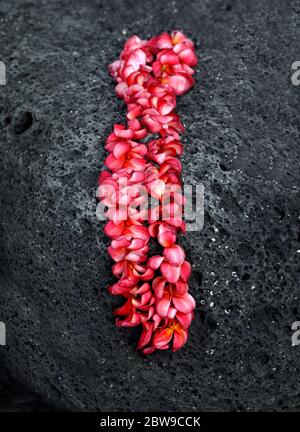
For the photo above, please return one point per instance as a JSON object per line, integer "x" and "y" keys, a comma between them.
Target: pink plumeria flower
{"x": 172, "y": 297}
{"x": 160, "y": 150}
{"x": 125, "y": 154}
{"x": 130, "y": 273}
{"x": 173, "y": 334}
{"x": 172, "y": 264}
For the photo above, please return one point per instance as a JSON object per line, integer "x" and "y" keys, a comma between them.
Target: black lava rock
{"x": 241, "y": 143}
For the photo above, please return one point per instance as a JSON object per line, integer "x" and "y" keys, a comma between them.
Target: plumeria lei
{"x": 144, "y": 155}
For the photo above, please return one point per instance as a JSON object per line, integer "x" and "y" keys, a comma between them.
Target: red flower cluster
{"x": 149, "y": 74}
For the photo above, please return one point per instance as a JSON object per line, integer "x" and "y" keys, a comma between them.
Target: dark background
{"x": 241, "y": 142}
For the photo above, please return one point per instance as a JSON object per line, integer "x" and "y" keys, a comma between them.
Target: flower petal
{"x": 169, "y": 272}
{"x": 162, "y": 338}
{"x": 166, "y": 235}
{"x": 185, "y": 303}
{"x": 174, "y": 255}
{"x": 186, "y": 270}
{"x": 146, "y": 335}
{"x": 180, "y": 83}
{"x": 155, "y": 262}
{"x": 184, "y": 319}
{"x": 180, "y": 338}
{"x": 158, "y": 286}
{"x": 113, "y": 230}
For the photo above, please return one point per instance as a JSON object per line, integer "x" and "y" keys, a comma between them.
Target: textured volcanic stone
{"x": 242, "y": 143}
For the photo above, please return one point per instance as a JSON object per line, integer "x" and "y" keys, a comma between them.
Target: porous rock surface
{"x": 241, "y": 143}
